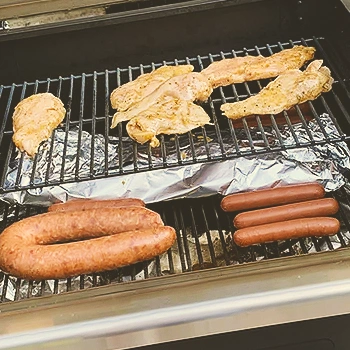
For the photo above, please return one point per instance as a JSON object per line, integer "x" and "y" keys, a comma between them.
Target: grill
{"x": 86, "y": 98}
{"x": 204, "y": 284}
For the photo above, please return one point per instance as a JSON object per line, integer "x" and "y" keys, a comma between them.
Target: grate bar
{"x": 179, "y": 240}
{"x": 17, "y": 290}
{"x": 185, "y": 241}
{"x": 213, "y": 113}
{"x": 120, "y": 134}
{"x": 207, "y": 232}
{"x": 93, "y": 128}
{"x": 229, "y": 121}
{"x": 232, "y": 230}
{"x": 170, "y": 256}
{"x": 221, "y": 235}
{"x": 7, "y": 111}
{"x": 81, "y": 116}
{"x": 334, "y": 120}
{"x": 68, "y": 115}
{"x": 106, "y": 121}
{"x": 303, "y": 246}
{"x": 195, "y": 236}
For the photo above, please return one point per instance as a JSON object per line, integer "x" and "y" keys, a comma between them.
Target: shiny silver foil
{"x": 323, "y": 163}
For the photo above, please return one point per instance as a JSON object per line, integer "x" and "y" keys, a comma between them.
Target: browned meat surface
{"x": 247, "y": 68}
{"x": 34, "y": 120}
{"x": 289, "y": 89}
{"x": 187, "y": 87}
{"x": 171, "y": 117}
{"x": 125, "y": 96}
{"x": 89, "y": 241}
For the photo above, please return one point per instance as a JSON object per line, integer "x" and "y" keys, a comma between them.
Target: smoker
{"x": 205, "y": 291}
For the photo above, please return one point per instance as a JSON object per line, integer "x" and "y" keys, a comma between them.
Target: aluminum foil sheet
{"x": 325, "y": 164}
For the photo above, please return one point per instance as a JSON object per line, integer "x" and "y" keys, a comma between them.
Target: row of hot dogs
{"x": 88, "y": 236}
{"x": 288, "y": 212}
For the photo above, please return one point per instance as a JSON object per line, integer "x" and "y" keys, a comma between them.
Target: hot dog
{"x": 298, "y": 228}
{"x": 116, "y": 237}
{"x": 83, "y": 204}
{"x": 308, "y": 209}
{"x": 272, "y": 196}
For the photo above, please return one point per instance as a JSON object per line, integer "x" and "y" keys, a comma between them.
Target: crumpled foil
{"x": 324, "y": 163}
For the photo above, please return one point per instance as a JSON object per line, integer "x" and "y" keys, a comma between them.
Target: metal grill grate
{"x": 86, "y": 98}
{"x": 204, "y": 240}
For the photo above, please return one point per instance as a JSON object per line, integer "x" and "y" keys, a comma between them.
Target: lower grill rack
{"x": 86, "y": 98}
{"x": 204, "y": 241}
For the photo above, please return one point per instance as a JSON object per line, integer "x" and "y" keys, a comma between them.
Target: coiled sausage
{"x": 308, "y": 209}
{"x": 298, "y": 228}
{"x": 272, "y": 196}
{"x": 114, "y": 237}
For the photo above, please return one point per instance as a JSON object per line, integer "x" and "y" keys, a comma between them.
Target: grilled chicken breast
{"x": 125, "y": 96}
{"x": 173, "y": 116}
{"x": 289, "y": 89}
{"x": 187, "y": 87}
{"x": 247, "y": 68}
{"x": 34, "y": 119}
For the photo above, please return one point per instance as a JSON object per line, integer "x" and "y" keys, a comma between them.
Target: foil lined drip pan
{"x": 324, "y": 163}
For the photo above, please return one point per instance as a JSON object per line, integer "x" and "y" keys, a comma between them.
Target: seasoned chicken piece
{"x": 34, "y": 119}
{"x": 123, "y": 97}
{"x": 173, "y": 116}
{"x": 240, "y": 69}
{"x": 289, "y": 89}
{"x": 188, "y": 87}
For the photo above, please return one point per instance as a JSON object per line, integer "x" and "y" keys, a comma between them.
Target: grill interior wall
{"x": 129, "y": 40}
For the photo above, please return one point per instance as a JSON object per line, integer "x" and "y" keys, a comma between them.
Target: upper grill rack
{"x": 204, "y": 240}
{"x": 86, "y": 98}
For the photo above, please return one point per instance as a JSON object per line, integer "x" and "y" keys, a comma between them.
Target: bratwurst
{"x": 111, "y": 238}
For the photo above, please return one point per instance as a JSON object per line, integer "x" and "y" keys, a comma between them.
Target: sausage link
{"x": 298, "y": 228}
{"x": 308, "y": 209}
{"x": 272, "y": 196}
{"x": 83, "y": 204}
{"x": 27, "y": 247}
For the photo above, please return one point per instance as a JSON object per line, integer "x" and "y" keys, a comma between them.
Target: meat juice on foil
{"x": 325, "y": 163}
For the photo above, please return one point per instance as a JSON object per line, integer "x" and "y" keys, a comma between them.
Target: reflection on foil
{"x": 322, "y": 163}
